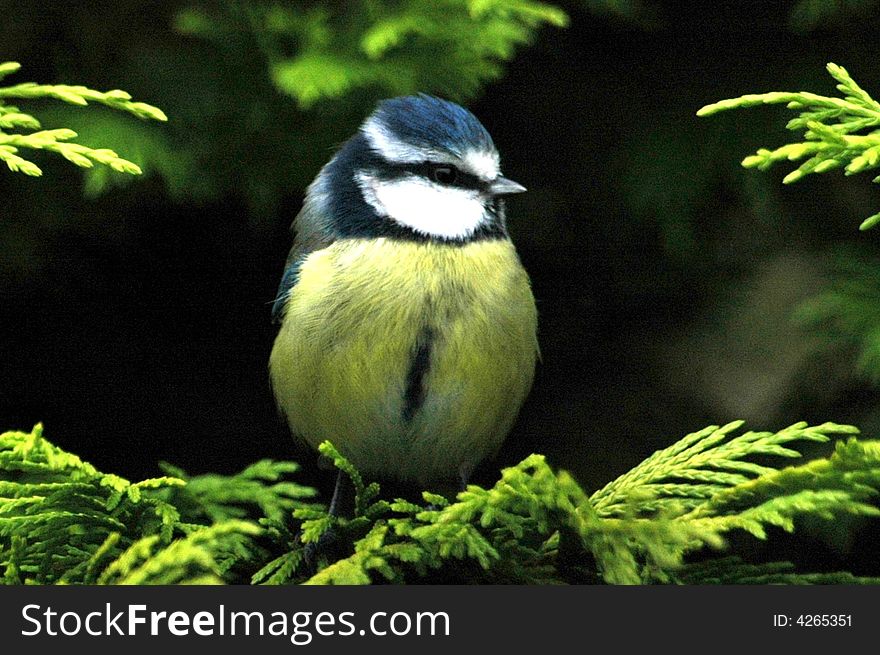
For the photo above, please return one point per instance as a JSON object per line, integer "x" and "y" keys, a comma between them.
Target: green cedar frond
{"x": 279, "y": 570}
{"x": 702, "y": 465}
{"x": 635, "y": 11}
{"x": 80, "y": 95}
{"x": 834, "y": 130}
{"x": 150, "y": 146}
{"x": 512, "y": 533}
{"x": 59, "y": 140}
{"x": 733, "y": 570}
{"x": 196, "y": 555}
{"x": 63, "y": 521}
{"x": 365, "y": 495}
{"x": 64, "y": 512}
{"x": 851, "y": 475}
{"x": 261, "y": 486}
{"x": 537, "y": 524}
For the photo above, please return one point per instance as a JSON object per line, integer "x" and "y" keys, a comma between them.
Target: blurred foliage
{"x": 840, "y": 133}
{"x": 677, "y": 176}
{"x": 847, "y": 312}
{"x": 807, "y": 15}
{"x": 451, "y": 47}
{"x": 261, "y": 92}
{"x": 62, "y": 521}
{"x": 635, "y": 11}
{"x": 59, "y": 140}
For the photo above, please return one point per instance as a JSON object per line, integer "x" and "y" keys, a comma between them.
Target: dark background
{"x": 135, "y": 324}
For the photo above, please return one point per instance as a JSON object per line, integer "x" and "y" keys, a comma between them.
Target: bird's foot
{"x": 327, "y": 549}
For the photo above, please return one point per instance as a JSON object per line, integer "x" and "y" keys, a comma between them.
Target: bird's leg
{"x": 464, "y": 474}
{"x": 341, "y": 506}
{"x": 449, "y": 487}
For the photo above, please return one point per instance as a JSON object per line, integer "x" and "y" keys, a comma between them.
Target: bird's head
{"x": 419, "y": 167}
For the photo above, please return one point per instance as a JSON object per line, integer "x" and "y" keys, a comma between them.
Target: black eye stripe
{"x": 463, "y": 180}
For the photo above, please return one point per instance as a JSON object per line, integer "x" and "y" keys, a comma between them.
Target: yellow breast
{"x": 412, "y": 358}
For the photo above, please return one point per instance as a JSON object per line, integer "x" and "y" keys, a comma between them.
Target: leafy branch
{"x": 834, "y": 131}
{"x": 30, "y": 134}
{"x": 703, "y": 464}
{"x": 62, "y": 521}
{"x": 536, "y": 525}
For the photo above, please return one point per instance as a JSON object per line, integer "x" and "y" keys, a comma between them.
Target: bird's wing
{"x": 311, "y": 234}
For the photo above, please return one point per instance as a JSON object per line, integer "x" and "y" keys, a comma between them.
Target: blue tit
{"x": 407, "y": 322}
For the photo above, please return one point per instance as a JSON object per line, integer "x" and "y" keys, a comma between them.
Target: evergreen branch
{"x": 192, "y": 559}
{"x": 851, "y": 476}
{"x": 80, "y": 95}
{"x": 54, "y": 141}
{"x": 280, "y": 570}
{"x": 733, "y": 570}
{"x": 18, "y": 164}
{"x": 364, "y": 495}
{"x": 635, "y": 530}
{"x": 11, "y": 117}
{"x": 782, "y": 511}
{"x": 807, "y": 15}
{"x": 261, "y": 486}
{"x": 702, "y": 465}
{"x": 9, "y": 67}
{"x": 61, "y": 520}
{"x": 831, "y": 129}
{"x": 62, "y": 511}
{"x": 58, "y": 140}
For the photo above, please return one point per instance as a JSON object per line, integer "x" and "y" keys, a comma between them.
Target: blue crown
{"x": 429, "y": 122}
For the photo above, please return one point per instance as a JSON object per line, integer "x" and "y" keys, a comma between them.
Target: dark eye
{"x": 444, "y": 174}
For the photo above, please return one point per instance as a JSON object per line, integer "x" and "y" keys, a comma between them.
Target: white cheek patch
{"x": 425, "y": 207}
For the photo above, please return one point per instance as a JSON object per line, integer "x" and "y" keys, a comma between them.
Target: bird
{"x": 407, "y": 323}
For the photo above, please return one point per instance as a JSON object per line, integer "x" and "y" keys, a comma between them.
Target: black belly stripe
{"x": 414, "y": 392}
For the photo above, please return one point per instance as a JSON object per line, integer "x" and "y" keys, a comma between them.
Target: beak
{"x": 501, "y": 186}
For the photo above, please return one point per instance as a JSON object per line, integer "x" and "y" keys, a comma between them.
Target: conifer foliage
{"x": 398, "y": 48}
{"x": 20, "y": 130}
{"x": 62, "y": 521}
{"x": 839, "y": 133}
